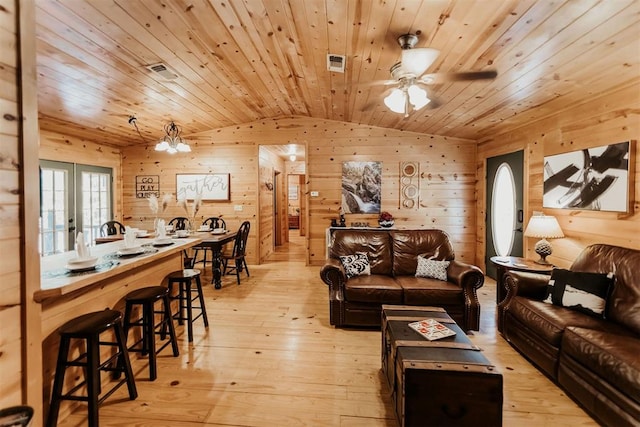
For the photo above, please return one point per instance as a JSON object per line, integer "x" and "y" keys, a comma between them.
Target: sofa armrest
{"x": 332, "y": 273}
{"x": 465, "y": 275}
{"x": 522, "y": 283}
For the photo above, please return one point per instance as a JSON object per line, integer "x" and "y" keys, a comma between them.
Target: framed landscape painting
{"x": 361, "y": 187}
{"x": 213, "y": 186}
{"x": 596, "y": 178}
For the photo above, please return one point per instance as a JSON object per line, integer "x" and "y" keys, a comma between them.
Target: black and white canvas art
{"x": 593, "y": 179}
{"x": 361, "y": 187}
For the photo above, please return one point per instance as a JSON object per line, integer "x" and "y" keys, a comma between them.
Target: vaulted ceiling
{"x": 241, "y": 61}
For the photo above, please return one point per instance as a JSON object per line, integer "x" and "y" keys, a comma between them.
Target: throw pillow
{"x": 356, "y": 264}
{"x": 432, "y": 268}
{"x": 585, "y": 292}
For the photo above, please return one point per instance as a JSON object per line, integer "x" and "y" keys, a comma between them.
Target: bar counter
{"x": 65, "y": 296}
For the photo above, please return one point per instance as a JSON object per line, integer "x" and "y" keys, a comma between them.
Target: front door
{"x": 504, "y": 219}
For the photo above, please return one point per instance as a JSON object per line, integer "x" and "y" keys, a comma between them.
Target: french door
{"x": 504, "y": 204}
{"x": 73, "y": 198}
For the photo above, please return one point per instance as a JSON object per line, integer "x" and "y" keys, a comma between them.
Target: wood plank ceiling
{"x": 241, "y": 61}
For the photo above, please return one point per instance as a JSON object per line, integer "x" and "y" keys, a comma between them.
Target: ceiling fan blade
{"x": 416, "y": 61}
{"x": 458, "y": 77}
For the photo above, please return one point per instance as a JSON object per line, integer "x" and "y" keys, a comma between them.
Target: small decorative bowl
{"x": 386, "y": 224}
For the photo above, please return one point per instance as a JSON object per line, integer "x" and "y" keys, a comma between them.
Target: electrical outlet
{"x": 315, "y": 194}
{"x": 237, "y": 208}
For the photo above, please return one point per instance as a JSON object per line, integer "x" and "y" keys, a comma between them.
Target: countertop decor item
{"x": 386, "y": 220}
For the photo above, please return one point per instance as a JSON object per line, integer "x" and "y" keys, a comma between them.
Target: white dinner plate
{"x": 134, "y": 250}
{"x": 83, "y": 262}
{"x": 218, "y": 231}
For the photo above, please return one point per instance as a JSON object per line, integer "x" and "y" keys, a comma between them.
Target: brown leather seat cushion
{"x": 611, "y": 353}
{"x": 424, "y": 291}
{"x": 548, "y": 321}
{"x": 374, "y": 288}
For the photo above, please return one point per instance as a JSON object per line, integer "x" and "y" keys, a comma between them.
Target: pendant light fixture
{"x": 172, "y": 142}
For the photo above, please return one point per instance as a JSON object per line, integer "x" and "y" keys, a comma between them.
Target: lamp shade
{"x": 418, "y": 97}
{"x": 543, "y": 227}
{"x": 395, "y": 101}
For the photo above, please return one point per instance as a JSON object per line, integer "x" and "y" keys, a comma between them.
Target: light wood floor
{"x": 270, "y": 358}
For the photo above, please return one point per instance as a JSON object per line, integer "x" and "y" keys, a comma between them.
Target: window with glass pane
{"x": 96, "y": 203}
{"x": 503, "y": 210}
{"x": 54, "y": 226}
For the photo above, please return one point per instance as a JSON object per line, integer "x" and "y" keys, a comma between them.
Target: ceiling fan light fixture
{"x": 416, "y": 61}
{"x": 395, "y": 101}
{"x": 418, "y": 97}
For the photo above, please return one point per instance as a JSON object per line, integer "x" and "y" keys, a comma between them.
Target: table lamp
{"x": 543, "y": 227}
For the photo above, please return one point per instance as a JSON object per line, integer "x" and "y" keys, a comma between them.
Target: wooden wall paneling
{"x": 12, "y": 305}
{"x": 604, "y": 120}
{"x": 329, "y": 143}
{"x": 239, "y": 160}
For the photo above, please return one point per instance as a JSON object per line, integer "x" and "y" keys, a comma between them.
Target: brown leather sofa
{"x": 392, "y": 255}
{"x": 596, "y": 360}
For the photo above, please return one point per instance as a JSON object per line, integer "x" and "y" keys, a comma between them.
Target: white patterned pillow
{"x": 356, "y": 265}
{"x": 432, "y": 268}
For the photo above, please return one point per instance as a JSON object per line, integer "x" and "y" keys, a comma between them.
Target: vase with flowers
{"x": 385, "y": 220}
{"x": 191, "y": 211}
{"x": 158, "y": 207}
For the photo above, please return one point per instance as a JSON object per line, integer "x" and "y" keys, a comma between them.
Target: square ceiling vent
{"x": 335, "y": 63}
{"x": 163, "y": 71}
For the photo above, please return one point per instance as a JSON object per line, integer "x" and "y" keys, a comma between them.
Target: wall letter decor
{"x": 213, "y": 186}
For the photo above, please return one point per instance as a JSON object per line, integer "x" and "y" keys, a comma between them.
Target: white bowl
{"x": 142, "y": 233}
{"x": 204, "y": 228}
{"x": 182, "y": 233}
{"x": 80, "y": 263}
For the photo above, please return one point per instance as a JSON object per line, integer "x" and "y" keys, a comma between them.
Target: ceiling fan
{"x": 409, "y": 75}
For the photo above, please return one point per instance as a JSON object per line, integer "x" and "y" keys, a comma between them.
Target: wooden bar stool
{"x": 146, "y": 298}
{"x": 89, "y": 327}
{"x": 185, "y": 298}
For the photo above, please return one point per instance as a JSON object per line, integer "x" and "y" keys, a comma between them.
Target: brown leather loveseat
{"x": 392, "y": 260}
{"x": 595, "y": 358}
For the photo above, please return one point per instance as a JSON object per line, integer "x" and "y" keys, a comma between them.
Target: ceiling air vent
{"x": 163, "y": 70}
{"x": 335, "y": 63}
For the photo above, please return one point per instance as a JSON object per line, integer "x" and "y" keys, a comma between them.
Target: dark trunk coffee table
{"x": 446, "y": 382}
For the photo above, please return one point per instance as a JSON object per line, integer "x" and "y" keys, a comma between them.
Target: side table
{"x": 512, "y": 263}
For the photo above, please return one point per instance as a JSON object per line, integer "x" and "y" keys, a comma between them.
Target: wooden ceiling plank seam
{"x": 269, "y": 38}
{"x": 147, "y": 75}
{"x": 202, "y": 87}
{"x": 247, "y": 46}
{"x": 138, "y": 32}
{"x": 355, "y": 41}
{"x": 124, "y": 80}
{"x": 624, "y": 24}
{"x": 339, "y": 14}
{"x": 389, "y": 51}
{"x": 305, "y": 76}
{"x": 551, "y": 105}
{"x": 308, "y": 78}
{"x": 523, "y": 19}
{"x": 229, "y": 53}
{"x": 375, "y": 36}
{"x": 315, "y": 13}
{"x": 451, "y": 61}
{"x": 185, "y": 48}
{"x": 532, "y": 68}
